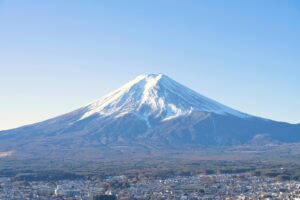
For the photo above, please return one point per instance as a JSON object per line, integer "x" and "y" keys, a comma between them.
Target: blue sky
{"x": 56, "y": 56}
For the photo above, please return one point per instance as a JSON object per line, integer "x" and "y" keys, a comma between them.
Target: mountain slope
{"x": 157, "y": 96}
{"x": 153, "y": 111}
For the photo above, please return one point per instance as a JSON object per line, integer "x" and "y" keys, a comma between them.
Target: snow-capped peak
{"x": 158, "y": 96}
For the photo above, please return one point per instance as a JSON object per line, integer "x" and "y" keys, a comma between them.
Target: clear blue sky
{"x": 56, "y": 56}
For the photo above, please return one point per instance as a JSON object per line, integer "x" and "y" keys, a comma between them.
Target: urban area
{"x": 223, "y": 186}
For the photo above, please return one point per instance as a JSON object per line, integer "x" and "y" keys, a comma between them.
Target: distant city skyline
{"x": 58, "y": 56}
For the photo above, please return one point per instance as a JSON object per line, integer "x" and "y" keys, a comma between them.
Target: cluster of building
{"x": 241, "y": 186}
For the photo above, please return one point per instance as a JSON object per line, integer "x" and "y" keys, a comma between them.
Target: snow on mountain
{"x": 158, "y": 96}
{"x": 149, "y": 111}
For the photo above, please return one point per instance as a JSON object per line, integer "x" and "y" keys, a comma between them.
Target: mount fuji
{"x": 150, "y": 111}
